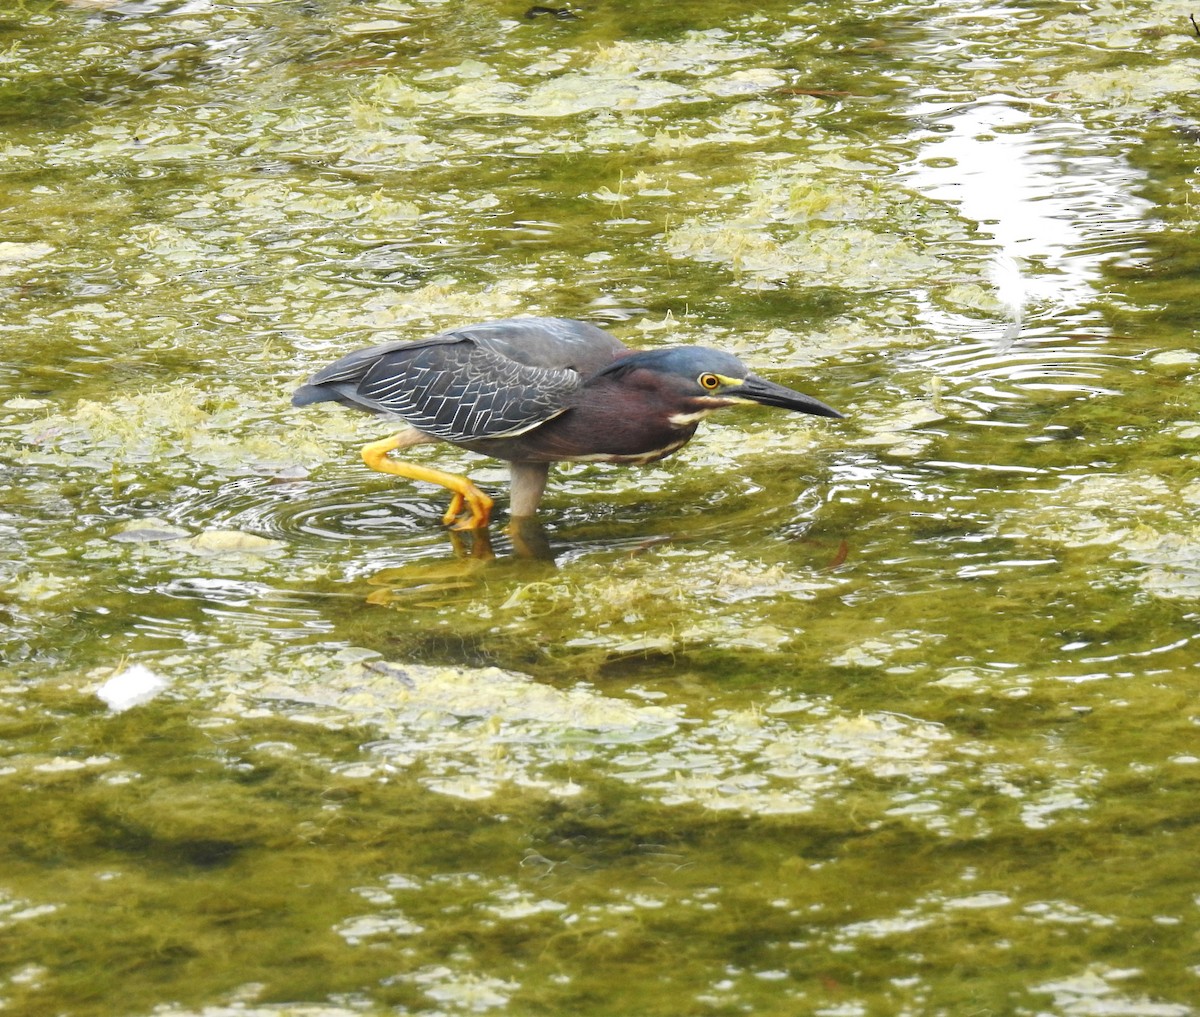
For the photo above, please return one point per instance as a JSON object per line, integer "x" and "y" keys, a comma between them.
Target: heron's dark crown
{"x": 682, "y": 361}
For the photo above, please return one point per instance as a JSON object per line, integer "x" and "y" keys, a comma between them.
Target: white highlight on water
{"x": 1012, "y": 290}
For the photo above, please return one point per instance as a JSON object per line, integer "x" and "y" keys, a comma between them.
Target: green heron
{"x": 536, "y": 391}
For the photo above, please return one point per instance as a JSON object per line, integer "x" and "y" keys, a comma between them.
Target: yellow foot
{"x": 478, "y": 509}
{"x": 477, "y": 505}
{"x": 453, "y": 512}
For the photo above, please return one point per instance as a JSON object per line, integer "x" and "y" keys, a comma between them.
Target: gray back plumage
{"x": 491, "y": 380}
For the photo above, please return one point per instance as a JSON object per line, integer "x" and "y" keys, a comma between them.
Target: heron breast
{"x": 631, "y": 459}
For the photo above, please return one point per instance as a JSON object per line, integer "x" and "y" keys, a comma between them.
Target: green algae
{"x": 894, "y": 715}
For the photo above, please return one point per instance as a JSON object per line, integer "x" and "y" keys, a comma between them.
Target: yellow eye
{"x": 709, "y": 381}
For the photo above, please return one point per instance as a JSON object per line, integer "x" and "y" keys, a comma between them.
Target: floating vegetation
{"x": 897, "y": 718}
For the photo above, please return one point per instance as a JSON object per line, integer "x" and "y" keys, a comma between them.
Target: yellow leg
{"x": 478, "y": 504}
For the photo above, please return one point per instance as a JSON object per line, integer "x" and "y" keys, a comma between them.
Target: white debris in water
{"x": 132, "y": 687}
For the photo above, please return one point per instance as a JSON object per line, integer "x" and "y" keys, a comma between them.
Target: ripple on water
{"x": 332, "y": 510}
{"x": 1060, "y": 208}
{"x": 986, "y": 375}
{"x": 195, "y": 611}
{"x": 1047, "y": 190}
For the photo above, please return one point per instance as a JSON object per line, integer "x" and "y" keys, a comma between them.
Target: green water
{"x": 891, "y": 715}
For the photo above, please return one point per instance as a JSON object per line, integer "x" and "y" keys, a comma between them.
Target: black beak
{"x": 759, "y": 390}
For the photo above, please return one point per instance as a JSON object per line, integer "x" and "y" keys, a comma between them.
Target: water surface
{"x": 894, "y": 715}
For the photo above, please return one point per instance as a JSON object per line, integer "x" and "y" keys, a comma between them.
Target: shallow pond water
{"x": 889, "y": 715}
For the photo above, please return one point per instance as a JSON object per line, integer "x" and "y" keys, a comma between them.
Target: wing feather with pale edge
{"x": 462, "y": 391}
{"x": 492, "y": 380}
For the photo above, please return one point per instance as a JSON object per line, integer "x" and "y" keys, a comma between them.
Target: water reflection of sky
{"x": 1051, "y": 193}
{"x": 1058, "y": 203}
